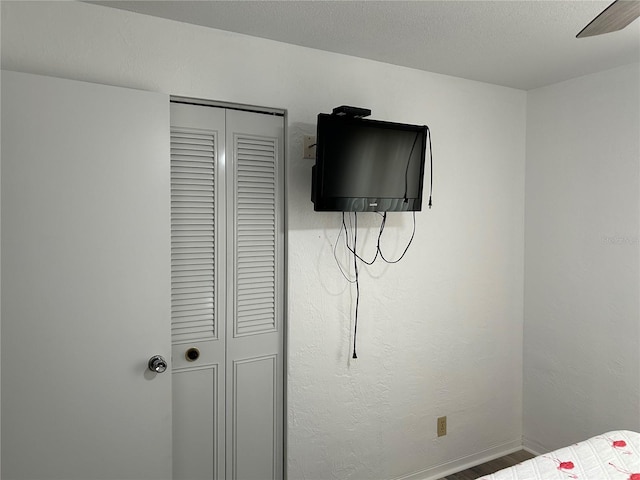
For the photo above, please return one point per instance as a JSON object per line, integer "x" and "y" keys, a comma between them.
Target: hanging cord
{"x": 355, "y": 267}
{"x": 335, "y": 246}
{"x": 356, "y": 280}
{"x": 378, "y": 248}
{"x": 408, "y": 244}
{"x": 406, "y": 170}
{"x": 354, "y": 251}
{"x": 343, "y": 227}
{"x": 430, "y": 168}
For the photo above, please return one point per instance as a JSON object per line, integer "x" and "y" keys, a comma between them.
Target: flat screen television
{"x": 365, "y": 165}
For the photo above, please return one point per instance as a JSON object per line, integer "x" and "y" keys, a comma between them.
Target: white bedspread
{"x": 611, "y": 456}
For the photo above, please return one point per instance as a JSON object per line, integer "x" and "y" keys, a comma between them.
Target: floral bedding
{"x": 611, "y": 456}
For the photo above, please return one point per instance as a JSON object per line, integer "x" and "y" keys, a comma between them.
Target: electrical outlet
{"x": 442, "y": 426}
{"x": 309, "y": 147}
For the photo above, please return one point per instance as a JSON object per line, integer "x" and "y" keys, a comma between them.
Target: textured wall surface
{"x": 440, "y": 333}
{"x": 582, "y": 288}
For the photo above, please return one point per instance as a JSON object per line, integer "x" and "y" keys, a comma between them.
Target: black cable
{"x": 356, "y": 257}
{"x": 335, "y": 245}
{"x": 406, "y": 170}
{"x": 355, "y": 266}
{"x": 430, "y": 167}
{"x": 408, "y": 244}
{"x": 371, "y": 262}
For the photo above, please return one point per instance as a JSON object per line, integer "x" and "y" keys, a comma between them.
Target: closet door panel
{"x": 198, "y": 289}
{"x": 255, "y": 411}
{"x": 255, "y": 299}
{"x": 195, "y": 422}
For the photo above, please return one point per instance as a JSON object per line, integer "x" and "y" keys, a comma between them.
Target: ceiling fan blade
{"x": 615, "y": 17}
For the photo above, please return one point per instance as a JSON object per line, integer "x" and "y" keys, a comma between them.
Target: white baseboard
{"x": 439, "y": 471}
{"x": 534, "y": 447}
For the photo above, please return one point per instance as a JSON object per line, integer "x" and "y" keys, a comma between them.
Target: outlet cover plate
{"x": 442, "y": 426}
{"x": 309, "y": 147}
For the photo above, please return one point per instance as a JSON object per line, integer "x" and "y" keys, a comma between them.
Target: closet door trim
{"x": 230, "y": 106}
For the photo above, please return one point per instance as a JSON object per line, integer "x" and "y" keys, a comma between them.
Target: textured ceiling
{"x": 522, "y": 44}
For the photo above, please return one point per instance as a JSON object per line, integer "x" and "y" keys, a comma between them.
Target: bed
{"x": 610, "y": 456}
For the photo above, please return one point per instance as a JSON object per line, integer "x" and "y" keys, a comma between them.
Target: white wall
{"x": 441, "y": 332}
{"x": 582, "y": 289}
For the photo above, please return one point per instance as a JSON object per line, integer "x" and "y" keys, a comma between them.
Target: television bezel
{"x": 323, "y": 203}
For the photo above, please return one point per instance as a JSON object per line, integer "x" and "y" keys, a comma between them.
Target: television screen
{"x": 367, "y": 165}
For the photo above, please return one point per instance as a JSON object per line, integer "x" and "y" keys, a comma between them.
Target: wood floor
{"x": 490, "y": 467}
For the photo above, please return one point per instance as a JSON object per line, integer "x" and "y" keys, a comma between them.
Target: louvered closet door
{"x": 198, "y": 290}
{"x": 254, "y": 299}
{"x": 227, "y": 293}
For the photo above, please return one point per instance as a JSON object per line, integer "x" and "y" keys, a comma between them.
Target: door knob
{"x": 157, "y": 364}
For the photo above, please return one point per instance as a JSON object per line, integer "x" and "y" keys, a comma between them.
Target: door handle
{"x": 157, "y": 364}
